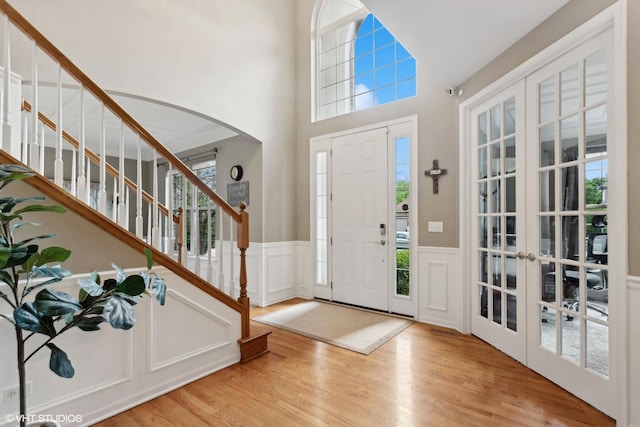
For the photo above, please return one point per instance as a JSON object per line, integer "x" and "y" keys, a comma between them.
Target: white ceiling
{"x": 454, "y": 39}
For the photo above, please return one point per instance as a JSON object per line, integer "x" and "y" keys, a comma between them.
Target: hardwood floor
{"x": 425, "y": 376}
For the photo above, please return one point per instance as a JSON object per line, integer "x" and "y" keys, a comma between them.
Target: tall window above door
{"x": 359, "y": 63}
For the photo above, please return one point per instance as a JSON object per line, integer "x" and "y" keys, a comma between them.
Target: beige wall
{"x": 243, "y": 151}
{"x": 437, "y": 139}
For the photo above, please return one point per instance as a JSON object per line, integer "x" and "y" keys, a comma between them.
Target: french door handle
{"x": 530, "y": 256}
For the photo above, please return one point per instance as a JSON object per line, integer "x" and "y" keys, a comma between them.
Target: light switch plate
{"x": 436, "y": 227}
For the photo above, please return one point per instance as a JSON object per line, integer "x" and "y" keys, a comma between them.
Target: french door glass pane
{"x": 495, "y": 123}
{"x": 595, "y": 82}
{"x": 595, "y": 123}
{"x": 482, "y": 163}
{"x": 569, "y": 138}
{"x": 547, "y": 145}
{"x": 597, "y": 347}
{"x": 547, "y": 94}
{"x": 547, "y": 191}
{"x": 569, "y": 91}
{"x": 482, "y": 129}
{"x": 510, "y": 117}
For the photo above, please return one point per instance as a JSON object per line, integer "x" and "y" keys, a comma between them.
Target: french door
{"x": 540, "y": 260}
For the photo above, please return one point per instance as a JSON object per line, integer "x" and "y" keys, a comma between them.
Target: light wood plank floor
{"x": 425, "y": 376}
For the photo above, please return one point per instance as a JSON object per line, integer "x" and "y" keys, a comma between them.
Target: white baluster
{"x": 195, "y": 229}
{"x": 209, "y": 248}
{"x": 34, "y": 155}
{"x": 74, "y": 159}
{"x": 82, "y": 179}
{"x": 115, "y": 201}
{"x": 220, "y": 248}
{"x": 122, "y": 207}
{"x": 41, "y": 162}
{"x": 185, "y": 253}
{"x": 232, "y": 287}
{"x": 102, "y": 195}
{"x": 25, "y": 139}
{"x": 127, "y": 192}
{"x": 149, "y": 225}
{"x": 88, "y": 192}
{"x": 6, "y": 99}
{"x": 156, "y": 227}
{"x": 139, "y": 219}
{"x": 59, "y": 164}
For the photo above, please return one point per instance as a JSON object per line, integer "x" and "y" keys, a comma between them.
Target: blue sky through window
{"x": 384, "y": 70}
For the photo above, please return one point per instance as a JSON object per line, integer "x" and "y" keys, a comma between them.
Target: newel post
{"x": 243, "y": 243}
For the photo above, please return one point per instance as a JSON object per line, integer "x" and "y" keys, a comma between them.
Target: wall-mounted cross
{"x": 435, "y": 173}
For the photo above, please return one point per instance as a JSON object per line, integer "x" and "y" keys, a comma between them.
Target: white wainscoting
{"x": 193, "y": 335}
{"x": 633, "y": 348}
{"x": 285, "y": 269}
{"x": 439, "y": 289}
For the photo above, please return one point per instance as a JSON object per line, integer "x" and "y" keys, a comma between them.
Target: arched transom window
{"x": 359, "y": 63}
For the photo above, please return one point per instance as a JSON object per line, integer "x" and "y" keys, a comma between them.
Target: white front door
{"x": 498, "y": 265}
{"x": 360, "y": 219}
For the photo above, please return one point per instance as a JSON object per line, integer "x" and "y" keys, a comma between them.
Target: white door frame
{"x": 403, "y": 126}
{"x": 613, "y": 17}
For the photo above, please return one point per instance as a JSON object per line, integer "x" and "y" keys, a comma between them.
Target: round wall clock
{"x": 236, "y": 173}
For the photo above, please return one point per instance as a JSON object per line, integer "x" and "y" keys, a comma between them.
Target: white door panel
{"x": 360, "y": 203}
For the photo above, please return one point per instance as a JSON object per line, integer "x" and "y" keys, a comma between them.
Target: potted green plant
{"x": 27, "y": 269}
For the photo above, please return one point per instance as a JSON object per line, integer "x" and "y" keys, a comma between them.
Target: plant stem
{"x": 21, "y": 377}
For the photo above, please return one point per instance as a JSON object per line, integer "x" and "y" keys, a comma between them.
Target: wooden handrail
{"x": 96, "y": 158}
{"x": 46, "y": 46}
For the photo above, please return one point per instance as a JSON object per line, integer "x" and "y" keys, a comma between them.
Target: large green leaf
{"x": 55, "y": 303}
{"x": 119, "y": 313}
{"x": 53, "y": 254}
{"x": 149, "y": 255}
{"x": 53, "y": 271}
{"x": 159, "y": 288}
{"x": 19, "y": 256}
{"x": 109, "y": 284}
{"x": 120, "y": 273}
{"x": 90, "y": 287}
{"x": 40, "y": 208}
{"x": 60, "y": 363}
{"x": 30, "y": 289}
{"x": 31, "y": 239}
{"x": 6, "y": 278}
{"x": 7, "y": 204}
{"x": 132, "y": 285}
{"x": 9, "y": 173}
{"x": 29, "y": 319}
{"x": 89, "y": 323}
{"x": 5, "y": 254}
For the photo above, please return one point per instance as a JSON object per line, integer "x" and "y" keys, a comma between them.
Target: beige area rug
{"x": 351, "y": 328}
